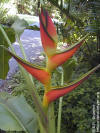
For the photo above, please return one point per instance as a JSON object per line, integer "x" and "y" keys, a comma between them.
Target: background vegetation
{"x": 76, "y": 18}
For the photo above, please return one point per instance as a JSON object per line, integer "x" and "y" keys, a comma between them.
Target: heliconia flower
{"x": 38, "y": 72}
{"x": 61, "y": 91}
{"x": 49, "y": 42}
{"x": 59, "y": 58}
{"x": 48, "y": 33}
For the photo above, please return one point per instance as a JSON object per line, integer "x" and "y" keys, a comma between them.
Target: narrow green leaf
{"x": 4, "y": 56}
{"x": 35, "y": 27}
{"x": 4, "y": 67}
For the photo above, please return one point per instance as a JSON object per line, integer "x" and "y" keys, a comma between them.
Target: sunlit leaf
{"x": 48, "y": 33}
{"x": 57, "y": 92}
{"x": 19, "y": 26}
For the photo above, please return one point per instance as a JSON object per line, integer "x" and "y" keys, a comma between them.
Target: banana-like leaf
{"x": 36, "y": 71}
{"x": 57, "y": 92}
{"x": 16, "y": 114}
{"x": 4, "y": 56}
{"x": 19, "y": 26}
{"x": 60, "y": 57}
{"x": 48, "y": 33}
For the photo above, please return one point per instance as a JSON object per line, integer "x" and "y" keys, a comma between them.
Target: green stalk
{"x": 30, "y": 85}
{"x": 7, "y": 39}
{"x": 51, "y": 118}
{"x": 23, "y": 52}
{"x": 49, "y": 111}
{"x": 50, "y": 108}
{"x": 60, "y": 107}
{"x": 21, "y": 47}
{"x": 41, "y": 127}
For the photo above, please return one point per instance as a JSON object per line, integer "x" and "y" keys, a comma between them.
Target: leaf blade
{"x": 19, "y": 26}
{"x": 22, "y": 115}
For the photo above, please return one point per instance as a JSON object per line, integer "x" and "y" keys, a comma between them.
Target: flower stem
{"x": 60, "y": 106}
{"x": 23, "y": 52}
{"x": 51, "y": 118}
{"x": 21, "y": 46}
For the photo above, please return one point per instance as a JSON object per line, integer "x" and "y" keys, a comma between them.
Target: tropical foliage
{"x": 16, "y": 109}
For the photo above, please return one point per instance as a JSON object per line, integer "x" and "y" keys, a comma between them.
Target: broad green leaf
{"x": 16, "y": 114}
{"x": 4, "y": 56}
{"x": 19, "y": 26}
{"x": 57, "y": 92}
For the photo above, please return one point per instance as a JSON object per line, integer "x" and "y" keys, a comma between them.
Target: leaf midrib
{"x": 2, "y": 102}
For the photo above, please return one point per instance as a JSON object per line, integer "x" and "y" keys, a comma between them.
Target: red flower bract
{"x": 48, "y": 33}
{"x": 61, "y": 91}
